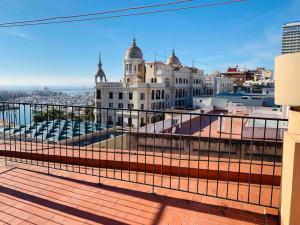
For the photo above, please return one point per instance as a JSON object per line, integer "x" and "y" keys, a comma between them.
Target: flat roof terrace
{"x": 29, "y": 195}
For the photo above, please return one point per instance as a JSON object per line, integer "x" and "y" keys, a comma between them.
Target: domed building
{"x": 146, "y": 86}
{"x": 134, "y": 64}
{"x": 133, "y": 52}
{"x": 173, "y": 60}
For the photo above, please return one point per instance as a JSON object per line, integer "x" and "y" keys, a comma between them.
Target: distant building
{"x": 291, "y": 38}
{"x": 238, "y": 76}
{"x": 222, "y": 85}
{"x": 261, "y": 78}
{"x": 224, "y": 101}
{"x": 146, "y": 86}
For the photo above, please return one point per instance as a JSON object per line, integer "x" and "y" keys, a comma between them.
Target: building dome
{"x": 173, "y": 59}
{"x": 134, "y": 52}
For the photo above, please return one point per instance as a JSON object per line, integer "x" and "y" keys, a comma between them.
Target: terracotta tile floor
{"x": 28, "y": 195}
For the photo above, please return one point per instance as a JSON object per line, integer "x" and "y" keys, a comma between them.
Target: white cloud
{"x": 20, "y": 34}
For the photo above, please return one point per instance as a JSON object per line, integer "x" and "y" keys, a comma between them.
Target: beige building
{"x": 146, "y": 86}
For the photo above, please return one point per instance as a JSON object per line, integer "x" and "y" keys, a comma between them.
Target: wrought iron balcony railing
{"x": 225, "y": 156}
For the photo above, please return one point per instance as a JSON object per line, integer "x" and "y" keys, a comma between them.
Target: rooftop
{"x": 30, "y": 195}
{"x": 291, "y": 24}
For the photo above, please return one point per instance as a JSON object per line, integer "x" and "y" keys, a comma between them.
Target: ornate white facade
{"x": 146, "y": 86}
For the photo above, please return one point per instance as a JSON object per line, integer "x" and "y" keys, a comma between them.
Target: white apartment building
{"x": 222, "y": 85}
{"x": 291, "y": 38}
{"x": 146, "y": 86}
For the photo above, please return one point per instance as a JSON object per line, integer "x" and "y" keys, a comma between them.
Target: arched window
{"x": 180, "y": 81}
{"x": 128, "y": 80}
{"x": 98, "y": 79}
{"x": 197, "y": 81}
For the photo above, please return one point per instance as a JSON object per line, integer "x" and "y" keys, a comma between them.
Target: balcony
{"x": 60, "y": 167}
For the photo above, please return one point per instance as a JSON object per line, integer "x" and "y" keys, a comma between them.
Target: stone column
{"x": 287, "y": 69}
{"x": 290, "y": 179}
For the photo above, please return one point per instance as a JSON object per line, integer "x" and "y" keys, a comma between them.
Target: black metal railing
{"x": 219, "y": 155}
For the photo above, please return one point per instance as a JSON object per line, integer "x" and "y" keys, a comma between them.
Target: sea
{"x": 23, "y": 115}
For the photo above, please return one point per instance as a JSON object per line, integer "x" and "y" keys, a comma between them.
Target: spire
{"x": 173, "y": 52}
{"x": 100, "y": 63}
{"x": 100, "y": 72}
{"x": 134, "y": 41}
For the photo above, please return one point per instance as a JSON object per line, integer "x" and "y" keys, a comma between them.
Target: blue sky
{"x": 247, "y": 34}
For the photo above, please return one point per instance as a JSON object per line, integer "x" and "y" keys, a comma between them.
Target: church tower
{"x": 100, "y": 77}
{"x": 134, "y": 65}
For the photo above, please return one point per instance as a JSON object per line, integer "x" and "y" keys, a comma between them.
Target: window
{"x": 128, "y": 80}
{"x": 158, "y": 94}
{"x": 98, "y": 94}
{"x": 130, "y": 67}
{"x": 120, "y": 95}
{"x": 176, "y": 80}
{"x": 120, "y": 121}
{"x": 111, "y": 95}
{"x": 162, "y": 94}
{"x": 142, "y": 96}
{"x": 130, "y": 96}
{"x": 152, "y": 94}
{"x": 129, "y": 121}
{"x": 140, "y": 67}
{"x": 110, "y": 105}
{"x": 134, "y": 67}
{"x": 142, "y": 106}
{"x": 130, "y": 106}
{"x": 142, "y": 121}
{"x": 152, "y": 106}
{"x": 180, "y": 81}
{"x": 120, "y": 105}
